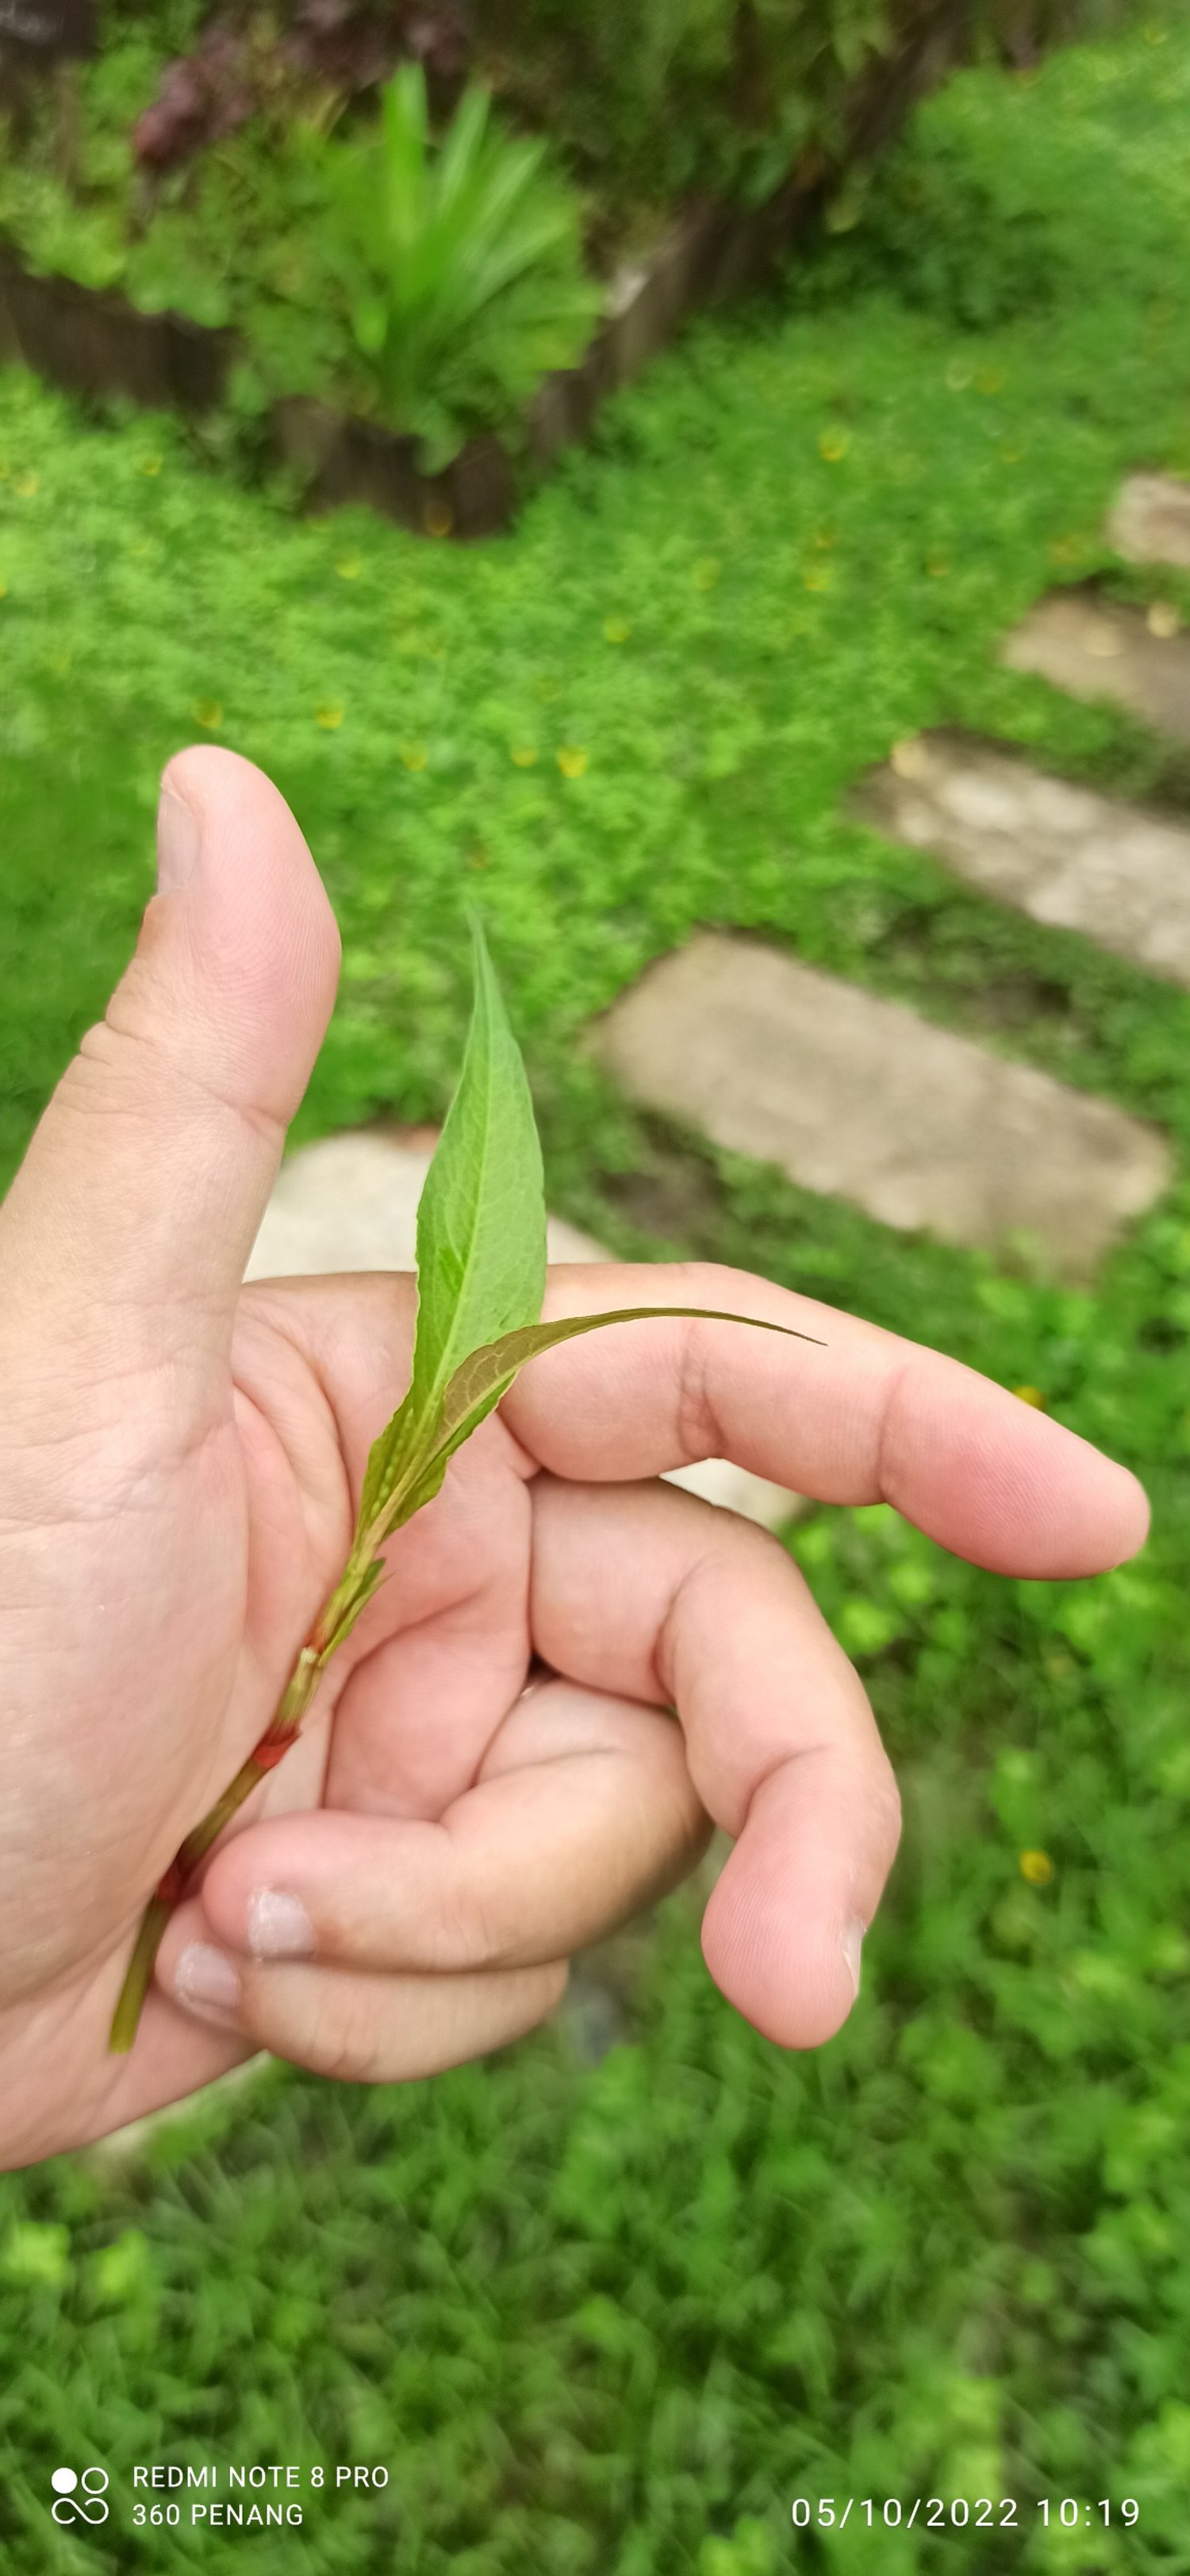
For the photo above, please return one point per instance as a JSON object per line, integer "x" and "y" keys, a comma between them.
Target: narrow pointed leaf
{"x": 480, "y": 1232}
{"x": 487, "y": 1374}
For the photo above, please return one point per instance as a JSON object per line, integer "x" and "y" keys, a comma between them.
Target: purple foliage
{"x": 347, "y": 46}
{"x": 202, "y": 97}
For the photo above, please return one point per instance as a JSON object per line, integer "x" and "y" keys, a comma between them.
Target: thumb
{"x": 124, "y": 1237}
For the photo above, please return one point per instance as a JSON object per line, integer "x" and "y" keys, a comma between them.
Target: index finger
{"x": 869, "y": 1417}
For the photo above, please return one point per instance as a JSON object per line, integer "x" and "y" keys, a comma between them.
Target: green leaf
{"x": 487, "y": 1374}
{"x": 480, "y": 1277}
{"x": 369, "y": 321}
{"x": 480, "y": 1233}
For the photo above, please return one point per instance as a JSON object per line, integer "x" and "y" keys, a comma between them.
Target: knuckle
{"x": 472, "y": 1937}
{"x": 347, "y": 2041}
{"x": 330, "y": 2026}
{"x": 695, "y": 1425}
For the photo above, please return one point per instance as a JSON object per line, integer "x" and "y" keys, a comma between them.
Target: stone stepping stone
{"x": 1062, "y": 854}
{"x": 1150, "y": 521}
{"x": 350, "y": 1203}
{"x": 859, "y": 1099}
{"x": 1093, "y": 648}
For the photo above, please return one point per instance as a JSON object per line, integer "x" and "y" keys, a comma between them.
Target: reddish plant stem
{"x": 283, "y": 1730}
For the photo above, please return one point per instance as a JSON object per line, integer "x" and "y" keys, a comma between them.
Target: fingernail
{"x": 178, "y": 840}
{"x": 852, "y": 1945}
{"x": 278, "y": 1926}
{"x": 205, "y": 1976}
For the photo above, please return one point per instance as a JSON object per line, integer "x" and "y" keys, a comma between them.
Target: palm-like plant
{"x": 461, "y": 265}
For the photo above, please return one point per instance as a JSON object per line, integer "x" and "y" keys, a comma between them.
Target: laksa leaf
{"x": 480, "y": 1236}
{"x": 487, "y": 1374}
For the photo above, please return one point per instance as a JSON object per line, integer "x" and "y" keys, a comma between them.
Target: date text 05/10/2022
{"x": 955, "y": 2513}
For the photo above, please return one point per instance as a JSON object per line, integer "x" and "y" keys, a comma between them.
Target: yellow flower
{"x": 937, "y": 566}
{"x": 329, "y": 717}
{"x": 414, "y": 755}
{"x": 524, "y": 754}
{"x": 1031, "y": 1395}
{"x": 818, "y": 577}
{"x": 208, "y": 713}
{"x": 1037, "y": 1867}
{"x": 438, "y": 518}
{"x": 616, "y": 629}
{"x": 26, "y": 486}
{"x": 958, "y": 376}
{"x": 349, "y": 567}
{"x": 150, "y": 465}
{"x": 833, "y": 444}
{"x": 1163, "y": 619}
{"x": 572, "y": 761}
{"x": 706, "y": 573}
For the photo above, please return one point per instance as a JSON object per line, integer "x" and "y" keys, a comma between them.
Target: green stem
{"x": 334, "y": 1623}
{"x": 140, "y": 1968}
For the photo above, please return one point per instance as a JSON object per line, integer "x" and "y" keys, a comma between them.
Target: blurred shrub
{"x": 941, "y": 236}
{"x": 460, "y": 271}
{"x": 964, "y": 219}
{"x": 651, "y": 98}
{"x": 430, "y": 285}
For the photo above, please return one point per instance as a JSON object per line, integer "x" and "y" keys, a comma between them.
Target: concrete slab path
{"x": 860, "y": 1099}
{"x": 1063, "y": 854}
{"x": 1093, "y": 648}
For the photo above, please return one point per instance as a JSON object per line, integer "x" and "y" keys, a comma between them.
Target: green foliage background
{"x": 620, "y": 2316}
{"x": 650, "y": 98}
{"x": 427, "y": 285}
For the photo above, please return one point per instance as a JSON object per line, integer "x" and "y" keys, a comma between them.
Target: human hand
{"x": 180, "y": 1461}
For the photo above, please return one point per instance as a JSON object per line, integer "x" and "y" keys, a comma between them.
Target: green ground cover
{"x": 619, "y": 2317}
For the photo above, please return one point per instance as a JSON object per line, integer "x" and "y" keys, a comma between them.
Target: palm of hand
{"x": 227, "y": 1550}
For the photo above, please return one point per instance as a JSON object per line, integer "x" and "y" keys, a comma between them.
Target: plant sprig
{"x": 481, "y": 1266}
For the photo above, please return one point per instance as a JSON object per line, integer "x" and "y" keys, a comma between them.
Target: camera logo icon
{"x": 80, "y": 2499}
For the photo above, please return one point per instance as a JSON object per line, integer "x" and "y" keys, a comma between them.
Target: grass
{"x": 620, "y": 2317}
